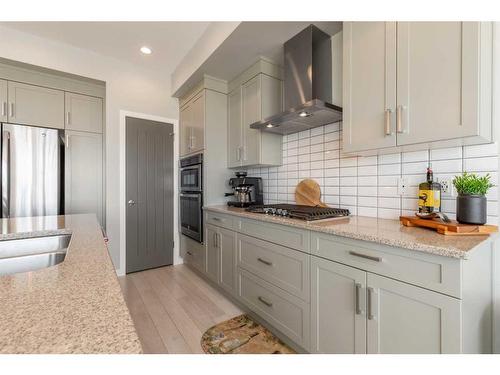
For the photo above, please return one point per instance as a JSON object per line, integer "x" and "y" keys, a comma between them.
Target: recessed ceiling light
{"x": 269, "y": 125}
{"x": 146, "y": 50}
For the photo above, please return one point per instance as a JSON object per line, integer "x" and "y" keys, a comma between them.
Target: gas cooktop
{"x": 299, "y": 212}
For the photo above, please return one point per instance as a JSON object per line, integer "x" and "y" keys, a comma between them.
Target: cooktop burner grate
{"x": 300, "y": 212}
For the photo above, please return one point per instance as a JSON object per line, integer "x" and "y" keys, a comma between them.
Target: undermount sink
{"x": 31, "y": 254}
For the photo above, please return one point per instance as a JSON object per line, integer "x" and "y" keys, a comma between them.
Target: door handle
{"x": 131, "y": 202}
{"x": 358, "y": 297}
{"x": 371, "y": 291}
{"x": 399, "y": 119}
{"x": 360, "y": 255}
{"x": 266, "y": 262}
{"x": 388, "y": 112}
{"x": 264, "y": 301}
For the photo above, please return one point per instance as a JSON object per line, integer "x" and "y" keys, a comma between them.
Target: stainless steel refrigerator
{"x": 32, "y": 171}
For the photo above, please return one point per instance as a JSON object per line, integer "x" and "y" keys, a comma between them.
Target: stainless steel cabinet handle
{"x": 356, "y": 254}
{"x": 264, "y": 301}
{"x": 244, "y": 153}
{"x": 216, "y": 219}
{"x": 238, "y": 153}
{"x": 358, "y": 296}
{"x": 266, "y": 262}
{"x": 11, "y": 112}
{"x": 131, "y": 202}
{"x": 6, "y": 175}
{"x": 388, "y": 112}
{"x": 370, "y": 304}
{"x": 4, "y": 109}
{"x": 399, "y": 119}
{"x": 189, "y": 253}
{"x": 68, "y": 118}
{"x": 215, "y": 239}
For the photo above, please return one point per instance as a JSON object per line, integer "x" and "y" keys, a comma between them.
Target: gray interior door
{"x": 149, "y": 194}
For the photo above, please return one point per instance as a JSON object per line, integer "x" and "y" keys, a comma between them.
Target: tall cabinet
{"x": 416, "y": 83}
{"x": 84, "y": 155}
{"x": 254, "y": 95}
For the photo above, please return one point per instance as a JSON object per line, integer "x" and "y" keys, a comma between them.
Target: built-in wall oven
{"x": 191, "y": 196}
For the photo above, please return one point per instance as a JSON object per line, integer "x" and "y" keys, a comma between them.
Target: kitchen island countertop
{"x": 383, "y": 231}
{"x": 74, "y": 307}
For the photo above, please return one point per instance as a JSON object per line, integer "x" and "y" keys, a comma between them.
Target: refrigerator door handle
{"x": 6, "y": 174}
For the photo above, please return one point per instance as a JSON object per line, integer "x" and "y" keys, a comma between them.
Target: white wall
{"x": 128, "y": 87}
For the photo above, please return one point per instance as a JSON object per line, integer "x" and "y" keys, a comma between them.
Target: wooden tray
{"x": 308, "y": 193}
{"x": 451, "y": 229}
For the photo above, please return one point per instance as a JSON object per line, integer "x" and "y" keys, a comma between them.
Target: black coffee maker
{"x": 247, "y": 191}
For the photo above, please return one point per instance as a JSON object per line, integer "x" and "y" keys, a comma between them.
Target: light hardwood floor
{"x": 172, "y": 307}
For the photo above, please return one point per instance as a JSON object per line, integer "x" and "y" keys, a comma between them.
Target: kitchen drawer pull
{"x": 216, "y": 219}
{"x": 356, "y": 254}
{"x": 266, "y": 262}
{"x": 267, "y": 303}
{"x": 189, "y": 253}
{"x": 358, "y": 296}
{"x": 370, "y": 302}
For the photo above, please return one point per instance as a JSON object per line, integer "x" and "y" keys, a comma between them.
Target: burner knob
{"x": 284, "y": 213}
{"x": 279, "y": 211}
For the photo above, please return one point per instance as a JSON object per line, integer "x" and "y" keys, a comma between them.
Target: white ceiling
{"x": 170, "y": 41}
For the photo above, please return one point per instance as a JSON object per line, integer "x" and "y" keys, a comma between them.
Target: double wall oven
{"x": 191, "y": 196}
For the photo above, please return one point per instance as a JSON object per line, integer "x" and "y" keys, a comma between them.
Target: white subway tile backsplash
{"x": 368, "y": 185}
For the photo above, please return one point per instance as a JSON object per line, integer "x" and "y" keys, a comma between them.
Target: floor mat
{"x": 241, "y": 335}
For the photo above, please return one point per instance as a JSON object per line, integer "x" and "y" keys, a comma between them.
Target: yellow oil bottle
{"x": 429, "y": 195}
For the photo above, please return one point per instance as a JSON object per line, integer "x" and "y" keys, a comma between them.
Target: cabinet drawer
{"x": 294, "y": 238}
{"x": 433, "y": 272}
{"x": 224, "y": 221}
{"x": 281, "y": 266}
{"x": 287, "y": 313}
{"x": 193, "y": 253}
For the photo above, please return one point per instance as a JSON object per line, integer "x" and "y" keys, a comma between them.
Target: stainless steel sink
{"x": 31, "y": 254}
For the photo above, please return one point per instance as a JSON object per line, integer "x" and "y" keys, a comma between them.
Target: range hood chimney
{"x": 308, "y": 85}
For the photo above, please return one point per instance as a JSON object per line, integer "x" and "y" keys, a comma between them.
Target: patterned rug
{"x": 241, "y": 335}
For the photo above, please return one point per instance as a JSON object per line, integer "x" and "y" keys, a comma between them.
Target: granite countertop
{"x": 74, "y": 307}
{"x": 383, "y": 231}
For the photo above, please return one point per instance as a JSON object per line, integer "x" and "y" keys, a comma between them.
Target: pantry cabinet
{"x": 416, "y": 83}
{"x": 83, "y": 113}
{"x": 255, "y": 96}
{"x": 84, "y": 174}
{"x": 3, "y": 100}
{"x": 35, "y": 105}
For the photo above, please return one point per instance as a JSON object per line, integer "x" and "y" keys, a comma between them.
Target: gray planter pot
{"x": 471, "y": 209}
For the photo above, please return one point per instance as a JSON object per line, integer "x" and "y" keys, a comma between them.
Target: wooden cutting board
{"x": 451, "y": 229}
{"x": 308, "y": 193}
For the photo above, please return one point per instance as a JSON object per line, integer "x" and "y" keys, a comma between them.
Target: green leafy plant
{"x": 472, "y": 184}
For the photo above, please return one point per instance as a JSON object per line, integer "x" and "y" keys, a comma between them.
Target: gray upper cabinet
{"x": 84, "y": 174}
{"x": 406, "y": 319}
{"x": 192, "y": 125}
{"x": 83, "y": 113}
{"x": 3, "y": 100}
{"x": 338, "y": 311}
{"x": 255, "y": 95}
{"x": 416, "y": 84}
{"x": 34, "y": 105}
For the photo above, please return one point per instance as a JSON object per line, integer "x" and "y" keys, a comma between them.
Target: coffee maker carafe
{"x": 247, "y": 191}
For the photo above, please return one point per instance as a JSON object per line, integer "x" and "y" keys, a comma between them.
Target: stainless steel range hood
{"x": 308, "y": 85}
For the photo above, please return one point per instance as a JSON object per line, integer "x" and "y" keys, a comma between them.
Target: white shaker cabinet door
{"x": 185, "y": 119}
{"x": 35, "y": 105}
{"x": 338, "y": 316}
{"x": 234, "y": 129}
{"x": 369, "y": 96}
{"x": 83, "y": 174}
{"x": 198, "y": 122}
{"x": 3, "y": 100}
{"x": 83, "y": 112}
{"x": 438, "y": 81}
{"x": 405, "y": 319}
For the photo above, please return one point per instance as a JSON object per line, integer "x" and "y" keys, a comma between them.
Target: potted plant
{"x": 471, "y": 199}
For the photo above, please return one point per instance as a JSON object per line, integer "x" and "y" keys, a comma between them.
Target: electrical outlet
{"x": 447, "y": 188}
{"x": 402, "y": 185}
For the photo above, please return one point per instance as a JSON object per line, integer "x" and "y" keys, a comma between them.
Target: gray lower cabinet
{"x": 84, "y": 174}
{"x": 338, "y": 319}
{"x": 35, "y": 105}
{"x": 403, "y": 318}
{"x": 221, "y": 257}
